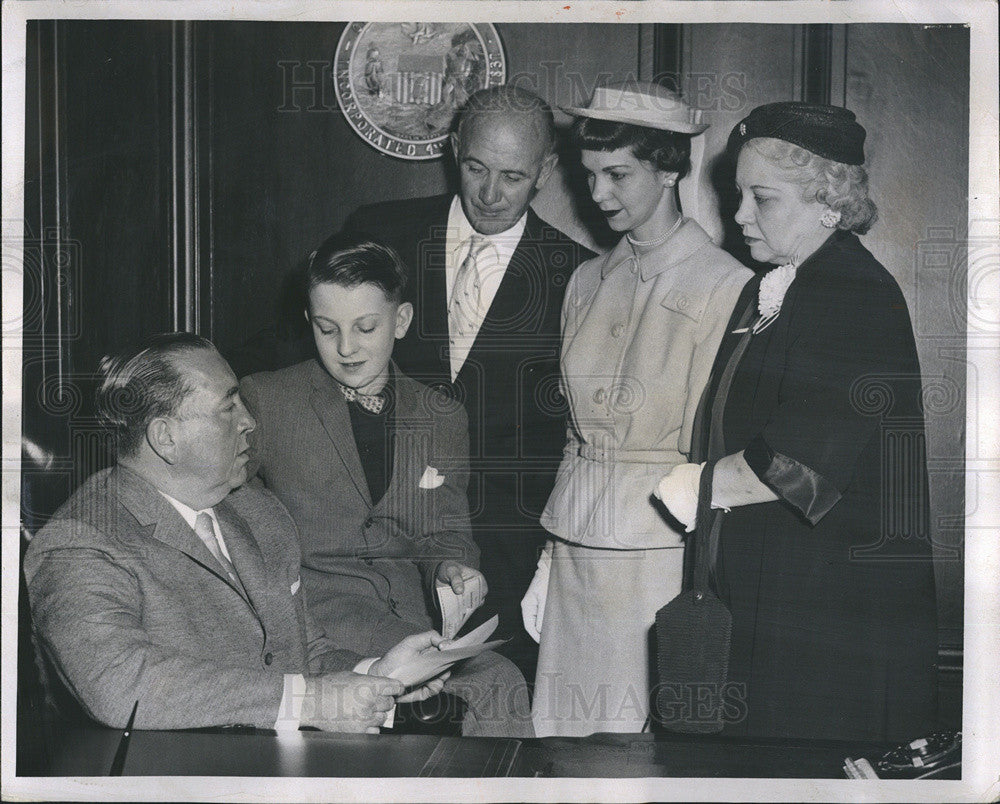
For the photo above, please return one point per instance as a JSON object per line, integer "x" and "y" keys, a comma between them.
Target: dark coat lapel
{"x": 431, "y": 291}
{"x": 331, "y": 408}
{"x": 515, "y": 285}
{"x": 430, "y": 296}
{"x": 164, "y": 523}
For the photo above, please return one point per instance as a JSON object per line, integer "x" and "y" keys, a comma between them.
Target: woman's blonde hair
{"x": 843, "y": 188}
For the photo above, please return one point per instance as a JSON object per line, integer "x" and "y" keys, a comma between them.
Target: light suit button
{"x": 617, "y": 330}
{"x": 599, "y": 396}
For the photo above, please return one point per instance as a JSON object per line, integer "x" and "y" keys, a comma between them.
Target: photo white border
{"x": 981, "y": 717}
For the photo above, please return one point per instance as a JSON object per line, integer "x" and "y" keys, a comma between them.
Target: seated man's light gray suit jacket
{"x": 130, "y": 605}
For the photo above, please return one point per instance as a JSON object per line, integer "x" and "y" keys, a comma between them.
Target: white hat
{"x": 641, "y": 103}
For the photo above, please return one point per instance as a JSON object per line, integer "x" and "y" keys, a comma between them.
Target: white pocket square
{"x": 296, "y": 585}
{"x": 431, "y": 479}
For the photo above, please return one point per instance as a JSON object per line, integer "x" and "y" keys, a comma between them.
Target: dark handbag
{"x": 692, "y": 636}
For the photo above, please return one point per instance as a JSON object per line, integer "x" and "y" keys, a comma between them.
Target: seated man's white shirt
{"x": 191, "y": 516}
{"x": 491, "y": 265}
{"x": 290, "y": 709}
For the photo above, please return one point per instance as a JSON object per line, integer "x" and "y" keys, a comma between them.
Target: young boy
{"x": 373, "y": 467}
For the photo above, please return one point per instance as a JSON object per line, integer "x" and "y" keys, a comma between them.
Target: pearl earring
{"x": 830, "y": 219}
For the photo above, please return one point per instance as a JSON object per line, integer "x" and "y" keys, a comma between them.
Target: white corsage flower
{"x": 773, "y": 287}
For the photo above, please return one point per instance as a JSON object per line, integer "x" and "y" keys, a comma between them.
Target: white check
{"x": 432, "y": 662}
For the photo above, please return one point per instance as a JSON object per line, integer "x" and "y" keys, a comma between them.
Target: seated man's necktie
{"x": 203, "y": 527}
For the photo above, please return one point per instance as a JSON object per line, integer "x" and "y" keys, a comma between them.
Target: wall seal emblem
{"x": 399, "y": 84}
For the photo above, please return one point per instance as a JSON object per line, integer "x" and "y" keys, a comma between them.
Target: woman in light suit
{"x": 640, "y": 328}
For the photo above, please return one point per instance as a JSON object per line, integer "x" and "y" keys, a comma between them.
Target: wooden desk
{"x": 89, "y": 752}
{"x": 642, "y": 755}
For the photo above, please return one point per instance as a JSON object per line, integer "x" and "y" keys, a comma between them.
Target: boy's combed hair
{"x": 357, "y": 262}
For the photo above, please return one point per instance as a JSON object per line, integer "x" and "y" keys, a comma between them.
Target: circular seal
{"x": 399, "y": 84}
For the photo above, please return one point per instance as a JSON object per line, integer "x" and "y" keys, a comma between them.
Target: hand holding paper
{"x": 401, "y": 656}
{"x": 437, "y": 655}
{"x": 460, "y": 591}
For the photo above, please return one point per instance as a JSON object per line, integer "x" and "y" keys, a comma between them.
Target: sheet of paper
{"x": 456, "y": 609}
{"x": 477, "y": 635}
{"x": 433, "y": 662}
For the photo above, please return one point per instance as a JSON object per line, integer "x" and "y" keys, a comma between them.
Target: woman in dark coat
{"x": 824, "y": 554}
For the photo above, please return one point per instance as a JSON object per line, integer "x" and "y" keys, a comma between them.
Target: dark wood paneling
{"x": 817, "y": 63}
{"x": 43, "y": 352}
{"x": 99, "y": 206}
{"x": 909, "y": 86}
{"x": 668, "y": 55}
{"x": 118, "y": 163}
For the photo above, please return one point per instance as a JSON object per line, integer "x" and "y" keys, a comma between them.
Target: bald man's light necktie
{"x": 203, "y": 527}
{"x": 463, "y": 310}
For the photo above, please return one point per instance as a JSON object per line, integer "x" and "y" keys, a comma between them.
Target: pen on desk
{"x": 119, "y": 761}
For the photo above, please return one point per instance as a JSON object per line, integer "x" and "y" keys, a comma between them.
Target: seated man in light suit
{"x": 373, "y": 467}
{"x": 166, "y": 581}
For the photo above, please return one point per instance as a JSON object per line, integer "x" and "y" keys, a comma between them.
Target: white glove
{"x": 679, "y": 492}
{"x": 533, "y": 602}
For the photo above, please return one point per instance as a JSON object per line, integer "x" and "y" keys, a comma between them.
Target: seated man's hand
{"x": 455, "y": 575}
{"x": 405, "y": 652}
{"x": 348, "y": 702}
{"x": 426, "y": 690}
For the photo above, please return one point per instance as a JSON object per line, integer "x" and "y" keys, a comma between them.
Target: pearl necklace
{"x": 659, "y": 241}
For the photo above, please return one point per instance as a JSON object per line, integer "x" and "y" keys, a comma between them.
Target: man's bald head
{"x": 504, "y": 148}
{"x": 492, "y": 105}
